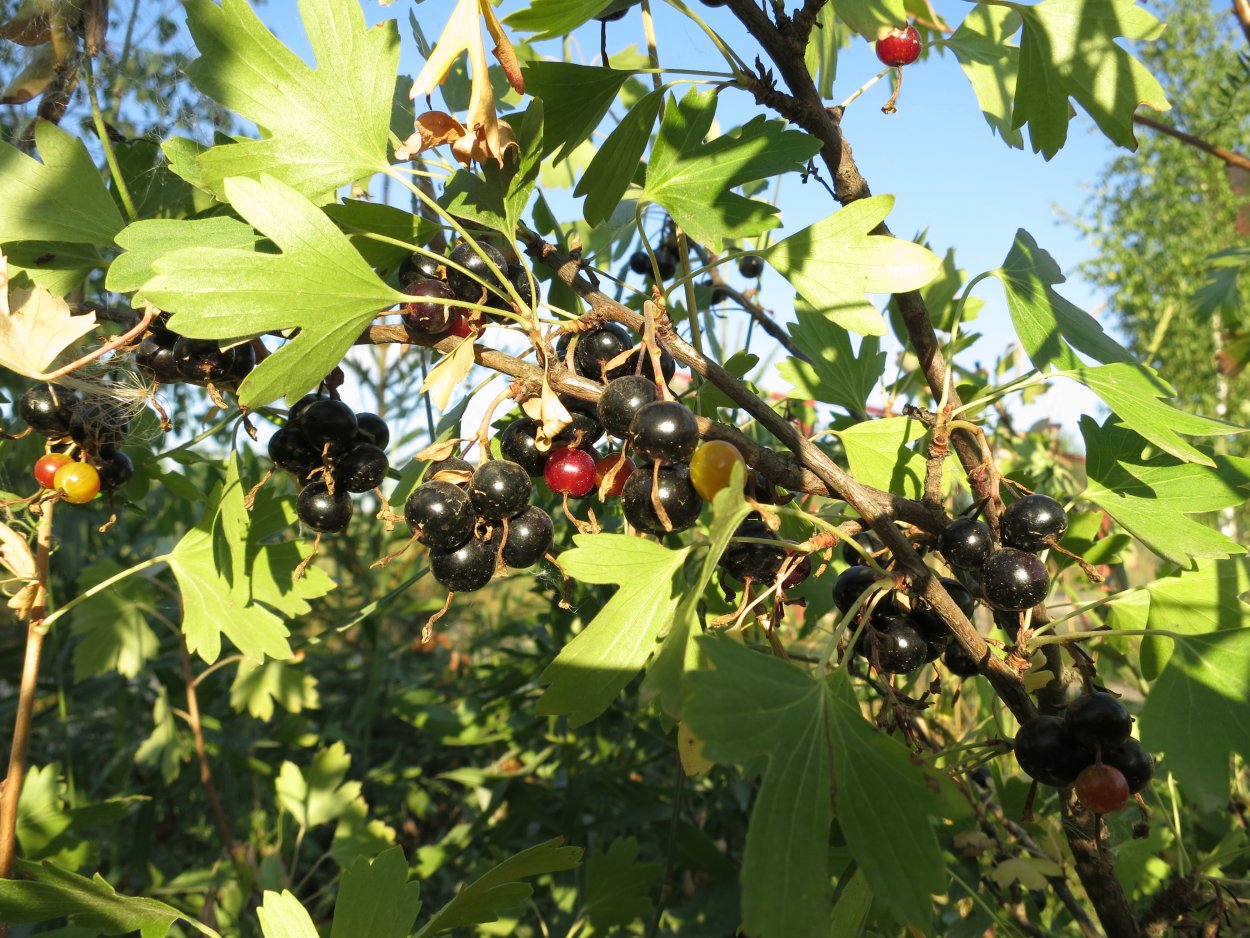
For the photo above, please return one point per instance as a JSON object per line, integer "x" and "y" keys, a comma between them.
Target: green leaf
{"x": 749, "y": 705}
{"x": 882, "y": 453}
{"x": 866, "y": 763}
{"x": 325, "y": 126}
{"x": 870, "y": 17}
{"x": 318, "y": 284}
{"x": 618, "y": 887}
{"x": 1136, "y": 394}
{"x": 317, "y": 795}
{"x": 1050, "y": 328}
{"x": 1068, "y": 49}
{"x": 499, "y": 889}
{"x": 61, "y": 199}
{"x": 606, "y": 655}
{"x": 691, "y": 177}
{"x": 46, "y": 892}
{"x": 57, "y": 266}
{"x": 552, "y": 19}
{"x": 1198, "y": 712}
{"x": 164, "y": 746}
{"x": 616, "y": 162}
{"x": 356, "y": 217}
{"x": 1151, "y": 496}
{"x": 851, "y": 910}
{"x": 575, "y": 99}
{"x": 991, "y": 63}
{"x": 282, "y": 916}
{"x": 834, "y": 262}
{"x": 356, "y": 835}
{"x": 837, "y": 373}
{"x": 257, "y": 687}
{"x": 112, "y": 626}
{"x": 821, "y": 55}
{"x": 1221, "y": 289}
{"x": 145, "y": 242}
{"x": 376, "y": 899}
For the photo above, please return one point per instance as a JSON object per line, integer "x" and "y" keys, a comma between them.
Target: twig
{"x": 1228, "y": 156}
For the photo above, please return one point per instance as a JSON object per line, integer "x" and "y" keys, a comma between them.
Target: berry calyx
{"x": 1102, "y": 788}
{"x": 621, "y": 399}
{"x": 676, "y": 494}
{"x": 750, "y": 266}
{"x": 665, "y": 430}
{"x": 570, "y": 472}
{"x": 1049, "y": 754}
{"x": 623, "y": 466}
{"x": 529, "y": 537}
{"x": 966, "y": 542}
{"x": 1033, "y": 523}
{"x": 78, "y": 482}
{"x": 1014, "y": 580}
{"x": 323, "y": 512}
{"x": 46, "y": 467}
{"x": 1098, "y": 719}
{"x": 899, "y": 47}
{"x": 440, "y": 514}
{"x": 711, "y": 466}
{"x": 500, "y": 489}
{"x": 48, "y": 409}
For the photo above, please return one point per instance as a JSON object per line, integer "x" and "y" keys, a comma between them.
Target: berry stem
{"x": 864, "y": 87}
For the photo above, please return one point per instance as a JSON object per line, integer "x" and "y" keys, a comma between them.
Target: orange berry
{"x": 711, "y": 466}
{"x": 79, "y": 482}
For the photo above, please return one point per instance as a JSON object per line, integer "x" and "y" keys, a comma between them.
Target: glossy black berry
{"x": 1134, "y": 762}
{"x": 115, "y": 470}
{"x": 1014, "y": 580}
{"x": 500, "y": 489}
{"x": 461, "y": 469}
{"x": 370, "y": 428}
{"x": 1098, "y": 719}
{"x": 155, "y": 358}
{"x": 760, "y": 562}
{"x": 597, "y": 347}
{"x": 290, "y": 451}
{"x": 894, "y": 644}
{"x": 468, "y": 567}
{"x": 1048, "y": 753}
{"x": 676, "y": 493}
{"x": 520, "y": 280}
{"x": 361, "y": 469}
{"x": 664, "y": 430}
{"x": 519, "y": 443}
{"x": 202, "y": 361}
{"x": 750, "y": 266}
{"x": 440, "y": 514}
{"x": 322, "y": 511}
{"x": 237, "y": 364}
{"x": 1033, "y": 523}
{"x": 869, "y": 541}
{"x": 640, "y": 262}
{"x": 958, "y": 661}
{"x": 98, "y": 424}
{"x": 48, "y": 409}
{"x": 621, "y": 399}
{"x": 328, "y": 421}
{"x": 484, "y": 282}
{"x": 420, "y": 267}
{"x": 296, "y": 413}
{"x": 421, "y": 316}
{"x": 666, "y": 261}
{"x": 585, "y": 429}
{"x": 850, "y": 585}
{"x": 529, "y": 537}
{"x": 966, "y": 542}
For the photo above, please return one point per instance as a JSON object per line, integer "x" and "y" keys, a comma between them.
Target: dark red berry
{"x": 570, "y": 472}
{"x": 623, "y": 467}
{"x": 966, "y": 542}
{"x": 1102, "y": 788}
{"x": 423, "y": 317}
{"x": 1014, "y": 580}
{"x": 1033, "y": 523}
{"x": 899, "y": 47}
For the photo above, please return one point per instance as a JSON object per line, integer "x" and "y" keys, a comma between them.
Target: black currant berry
{"x": 422, "y": 317}
{"x": 850, "y": 585}
{"x": 48, "y": 409}
{"x": 640, "y": 262}
{"x": 621, "y": 399}
{"x": 529, "y": 537}
{"x": 322, "y": 511}
{"x": 666, "y": 261}
{"x": 472, "y": 289}
{"x": 958, "y": 661}
{"x": 328, "y": 421}
{"x": 201, "y": 360}
{"x": 519, "y": 443}
{"x": 1048, "y": 753}
{"x": 460, "y": 471}
{"x": 668, "y": 366}
{"x": 290, "y": 451}
{"x": 867, "y": 540}
{"x": 750, "y": 266}
{"x": 155, "y": 357}
{"x": 760, "y": 562}
{"x": 898, "y": 644}
{"x": 98, "y": 424}
{"x": 585, "y": 429}
{"x": 611, "y": 17}
{"x": 468, "y": 567}
{"x": 1098, "y": 719}
{"x": 966, "y": 542}
{"x": 115, "y": 470}
{"x": 236, "y": 364}
{"x": 664, "y": 430}
{"x": 420, "y": 267}
{"x": 361, "y": 469}
{"x": 500, "y": 489}
{"x": 296, "y": 413}
{"x": 1136, "y": 764}
{"x": 370, "y": 428}
{"x": 440, "y": 514}
{"x": 1033, "y": 523}
{"x": 597, "y": 347}
{"x": 676, "y": 494}
{"x": 1014, "y": 580}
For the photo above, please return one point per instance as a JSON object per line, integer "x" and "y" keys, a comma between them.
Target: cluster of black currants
{"x": 429, "y": 279}
{"x": 170, "y": 358}
{"x": 750, "y": 561}
{"x": 471, "y": 520}
{"x": 1013, "y": 578}
{"x": 97, "y": 426}
{"x": 334, "y": 453}
{"x": 750, "y": 266}
{"x": 1088, "y": 747}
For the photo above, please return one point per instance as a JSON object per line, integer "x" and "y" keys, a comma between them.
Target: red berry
{"x": 460, "y": 325}
{"x": 570, "y": 472}
{"x": 1102, "y": 788}
{"x": 46, "y": 467}
{"x": 606, "y": 465}
{"x": 899, "y": 46}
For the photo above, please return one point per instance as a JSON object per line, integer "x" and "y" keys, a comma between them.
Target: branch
{"x": 1088, "y": 841}
{"x": 1241, "y": 10}
{"x": 1228, "y": 156}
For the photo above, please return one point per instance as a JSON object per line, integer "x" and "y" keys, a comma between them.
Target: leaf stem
{"x": 692, "y": 306}
{"x": 1033, "y": 377}
{"x": 100, "y": 588}
{"x": 1039, "y": 641}
{"x": 97, "y": 118}
{"x": 1089, "y": 607}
